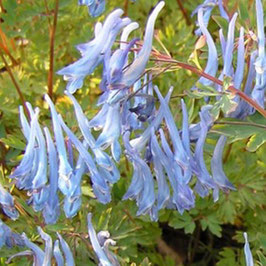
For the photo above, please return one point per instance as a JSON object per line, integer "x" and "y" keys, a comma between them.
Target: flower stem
{"x": 15, "y": 84}
{"x": 232, "y": 89}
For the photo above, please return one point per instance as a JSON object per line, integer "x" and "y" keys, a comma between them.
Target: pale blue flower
{"x": 180, "y": 153}
{"x": 8, "y": 238}
{"x": 58, "y": 254}
{"x": 65, "y": 169}
{"x": 66, "y": 250}
{"x": 163, "y": 189}
{"x": 97, "y": 8}
{"x": 258, "y": 92}
{"x": 247, "y": 251}
{"x": 96, "y": 178}
{"x": 25, "y": 166}
{"x": 183, "y": 197}
{"x": 227, "y": 70}
{"x": 134, "y": 71}
{"x": 146, "y": 196}
{"x": 38, "y": 253}
{"x": 101, "y": 157}
{"x": 111, "y": 131}
{"x": 96, "y": 245}
{"x": 212, "y": 63}
{"x": 7, "y": 203}
{"x": 51, "y": 209}
{"x": 95, "y": 50}
{"x": 218, "y": 174}
{"x": 40, "y": 178}
{"x": 239, "y": 73}
{"x": 72, "y": 201}
{"x": 48, "y": 247}
{"x": 140, "y": 142}
{"x": 205, "y": 182}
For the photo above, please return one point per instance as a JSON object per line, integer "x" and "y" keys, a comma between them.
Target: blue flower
{"x": 111, "y": 131}
{"x": 7, "y": 202}
{"x": 136, "y": 68}
{"x": 140, "y": 142}
{"x": 93, "y": 55}
{"x": 212, "y": 63}
{"x": 52, "y": 209}
{"x": 205, "y": 182}
{"x": 260, "y": 64}
{"x": 100, "y": 244}
{"x": 65, "y": 169}
{"x": 142, "y": 172}
{"x": 207, "y": 8}
{"x": 180, "y": 153}
{"x": 247, "y": 251}
{"x": 38, "y": 253}
{"x": 48, "y": 247}
{"x": 163, "y": 189}
{"x": 58, "y": 254}
{"x": 66, "y": 250}
{"x": 183, "y": 197}
{"x": 218, "y": 174}
{"x": 96, "y": 7}
{"x": 227, "y": 70}
{"x": 101, "y": 157}
{"x": 98, "y": 181}
{"x": 8, "y": 238}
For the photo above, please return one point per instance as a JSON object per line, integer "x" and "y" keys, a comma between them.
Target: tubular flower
{"x": 205, "y": 182}
{"x": 135, "y": 70}
{"x": 66, "y": 250}
{"x": 52, "y": 209}
{"x": 260, "y": 63}
{"x": 100, "y": 243}
{"x": 247, "y": 251}
{"x": 7, "y": 202}
{"x": 8, "y": 238}
{"x": 218, "y": 174}
{"x": 94, "y": 51}
{"x": 146, "y": 194}
{"x": 207, "y": 8}
{"x": 212, "y": 63}
{"x": 40, "y": 257}
{"x": 65, "y": 169}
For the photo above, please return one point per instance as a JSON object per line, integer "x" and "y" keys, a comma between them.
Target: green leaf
{"x": 221, "y": 22}
{"x": 14, "y": 142}
{"x": 253, "y": 128}
{"x": 211, "y": 221}
{"x": 227, "y": 257}
{"x": 185, "y": 221}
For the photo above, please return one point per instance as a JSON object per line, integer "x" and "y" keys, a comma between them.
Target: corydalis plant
{"x": 123, "y": 114}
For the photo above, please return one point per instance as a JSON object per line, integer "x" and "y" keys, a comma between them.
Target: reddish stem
{"x": 16, "y": 85}
{"x": 232, "y": 89}
{"x": 184, "y": 12}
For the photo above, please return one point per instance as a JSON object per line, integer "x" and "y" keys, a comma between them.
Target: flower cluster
{"x": 162, "y": 160}
{"x": 257, "y": 64}
{"x": 100, "y": 244}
